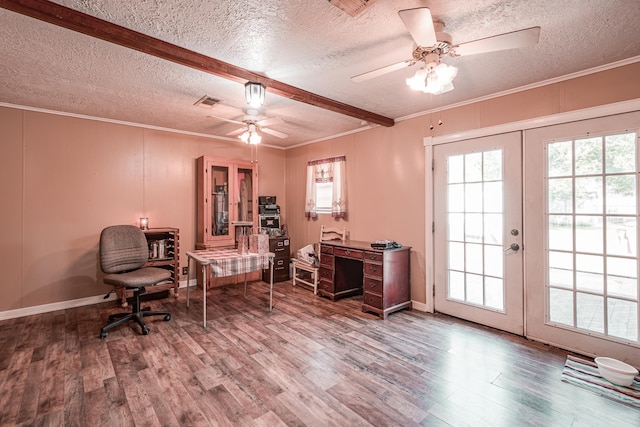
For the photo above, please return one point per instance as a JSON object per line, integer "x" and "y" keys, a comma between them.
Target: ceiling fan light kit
{"x": 434, "y": 78}
{"x": 433, "y": 43}
{"x": 251, "y": 135}
{"x": 254, "y": 94}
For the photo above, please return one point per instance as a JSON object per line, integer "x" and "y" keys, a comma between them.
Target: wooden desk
{"x": 348, "y": 268}
{"x": 227, "y": 262}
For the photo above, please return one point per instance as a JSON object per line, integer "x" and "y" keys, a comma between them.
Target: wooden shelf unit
{"x": 170, "y": 262}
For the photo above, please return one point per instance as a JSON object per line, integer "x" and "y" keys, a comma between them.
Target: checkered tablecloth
{"x": 227, "y": 262}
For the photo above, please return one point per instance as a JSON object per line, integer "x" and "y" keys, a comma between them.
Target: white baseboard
{"x": 62, "y": 305}
{"x": 419, "y": 306}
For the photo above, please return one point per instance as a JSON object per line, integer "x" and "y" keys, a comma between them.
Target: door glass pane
{"x": 456, "y": 256}
{"x": 494, "y": 296}
{"x": 560, "y": 232}
{"x": 455, "y": 198}
{"x": 621, "y": 194}
{"x": 473, "y": 197}
{"x": 493, "y": 196}
{"x": 473, "y": 167}
{"x": 560, "y": 192}
{"x": 456, "y": 285}
{"x": 245, "y": 195}
{"x": 561, "y": 269}
{"x": 621, "y": 236}
{"x": 590, "y": 312}
{"x": 592, "y": 280}
{"x": 473, "y": 257}
{"x": 589, "y": 195}
{"x": 474, "y": 289}
{"x": 456, "y": 227}
{"x": 560, "y": 159}
{"x": 455, "y": 169}
{"x": 588, "y": 156}
{"x": 220, "y": 197}
{"x": 623, "y": 317}
{"x": 589, "y": 273}
{"x": 589, "y": 234}
{"x": 475, "y": 229}
{"x": 622, "y": 280}
{"x": 621, "y": 152}
{"x": 493, "y": 261}
{"x": 493, "y": 229}
{"x": 492, "y": 167}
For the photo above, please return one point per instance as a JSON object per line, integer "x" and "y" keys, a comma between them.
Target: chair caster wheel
{"x": 167, "y": 317}
{"x": 145, "y": 331}
{"x": 103, "y": 335}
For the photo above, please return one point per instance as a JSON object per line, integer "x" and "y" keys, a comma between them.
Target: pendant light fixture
{"x": 254, "y": 94}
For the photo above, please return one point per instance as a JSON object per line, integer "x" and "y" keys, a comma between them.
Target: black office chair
{"x": 123, "y": 252}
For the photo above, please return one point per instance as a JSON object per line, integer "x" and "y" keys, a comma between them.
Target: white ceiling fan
{"x": 251, "y": 122}
{"x": 433, "y": 44}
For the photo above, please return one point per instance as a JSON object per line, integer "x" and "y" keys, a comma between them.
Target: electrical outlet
{"x": 185, "y": 271}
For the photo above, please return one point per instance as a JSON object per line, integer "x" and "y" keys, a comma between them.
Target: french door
{"x": 478, "y": 231}
{"x": 582, "y": 210}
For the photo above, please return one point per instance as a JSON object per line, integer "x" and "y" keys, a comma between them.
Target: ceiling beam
{"x": 86, "y": 24}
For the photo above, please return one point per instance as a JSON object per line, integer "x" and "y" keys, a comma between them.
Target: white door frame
{"x": 430, "y": 141}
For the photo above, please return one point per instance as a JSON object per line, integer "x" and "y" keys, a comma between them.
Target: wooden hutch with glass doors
{"x": 227, "y": 206}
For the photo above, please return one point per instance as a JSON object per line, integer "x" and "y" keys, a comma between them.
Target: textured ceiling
{"x": 309, "y": 44}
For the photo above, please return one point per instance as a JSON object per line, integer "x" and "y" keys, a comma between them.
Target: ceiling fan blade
{"x": 516, "y": 39}
{"x": 274, "y": 133}
{"x": 380, "y": 71}
{"x": 270, "y": 121}
{"x": 237, "y": 131}
{"x": 225, "y": 119}
{"x": 420, "y": 24}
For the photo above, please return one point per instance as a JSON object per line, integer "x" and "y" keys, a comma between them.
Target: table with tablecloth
{"x": 228, "y": 262}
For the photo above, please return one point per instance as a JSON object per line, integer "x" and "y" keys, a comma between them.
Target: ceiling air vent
{"x": 206, "y": 102}
{"x": 352, "y": 7}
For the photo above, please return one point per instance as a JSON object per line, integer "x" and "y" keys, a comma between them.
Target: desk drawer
{"x": 326, "y": 273}
{"x": 326, "y": 285}
{"x": 280, "y": 251}
{"x": 373, "y": 285}
{"x": 280, "y": 274}
{"x": 348, "y": 253}
{"x": 373, "y": 256}
{"x": 372, "y": 269}
{"x": 373, "y": 300}
{"x": 325, "y": 249}
{"x": 326, "y": 259}
{"x": 278, "y": 244}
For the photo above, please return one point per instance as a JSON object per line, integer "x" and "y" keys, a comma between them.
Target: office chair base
{"x": 137, "y": 315}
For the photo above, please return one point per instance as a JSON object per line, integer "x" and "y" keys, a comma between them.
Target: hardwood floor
{"x": 308, "y": 362}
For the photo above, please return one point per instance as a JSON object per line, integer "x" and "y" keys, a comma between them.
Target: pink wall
{"x": 66, "y": 178}
{"x": 63, "y": 179}
{"x": 385, "y": 166}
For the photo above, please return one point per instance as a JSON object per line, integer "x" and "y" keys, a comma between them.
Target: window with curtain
{"x": 324, "y": 176}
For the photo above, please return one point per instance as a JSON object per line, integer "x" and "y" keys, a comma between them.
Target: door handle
{"x": 513, "y": 247}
